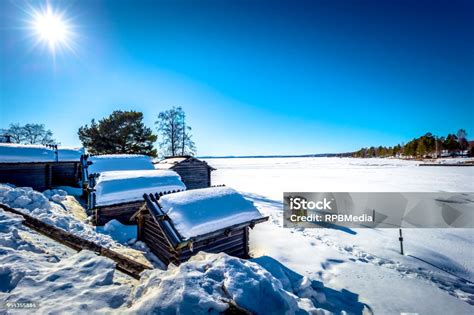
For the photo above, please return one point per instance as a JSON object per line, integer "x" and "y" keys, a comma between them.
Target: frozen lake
{"x": 436, "y": 274}
{"x": 272, "y": 176}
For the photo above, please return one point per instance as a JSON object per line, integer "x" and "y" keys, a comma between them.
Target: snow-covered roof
{"x": 70, "y": 154}
{"x": 113, "y": 187}
{"x": 13, "y": 152}
{"x": 201, "y": 211}
{"x": 119, "y": 162}
{"x": 169, "y": 162}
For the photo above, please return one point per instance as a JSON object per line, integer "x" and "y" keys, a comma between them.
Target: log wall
{"x": 35, "y": 175}
{"x": 66, "y": 174}
{"x": 120, "y": 212}
{"x": 235, "y": 243}
{"x": 195, "y": 174}
{"x": 40, "y": 176}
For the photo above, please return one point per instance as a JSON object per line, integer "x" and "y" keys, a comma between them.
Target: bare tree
{"x": 462, "y": 139}
{"x": 175, "y": 135}
{"x": 30, "y": 134}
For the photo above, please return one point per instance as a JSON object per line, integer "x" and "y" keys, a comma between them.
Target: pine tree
{"x": 121, "y": 132}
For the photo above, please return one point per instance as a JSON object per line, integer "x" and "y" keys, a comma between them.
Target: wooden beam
{"x": 123, "y": 263}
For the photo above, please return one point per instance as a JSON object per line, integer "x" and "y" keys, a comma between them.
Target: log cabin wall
{"x": 42, "y": 175}
{"x": 235, "y": 243}
{"x": 120, "y": 212}
{"x": 195, "y": 174}
{"x": 35, "y": 175}
{"x": 66, "y": 174}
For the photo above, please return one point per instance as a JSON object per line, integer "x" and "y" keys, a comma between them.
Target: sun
{"x": 50, "y": 27}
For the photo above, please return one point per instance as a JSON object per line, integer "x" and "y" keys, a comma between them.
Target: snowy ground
{"x": 436, "y": 274}
{"x": 295, "y": 271}
{"x": 39, "y": 273}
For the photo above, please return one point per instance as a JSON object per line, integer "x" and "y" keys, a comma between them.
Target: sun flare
{"x": 51, "y": 28}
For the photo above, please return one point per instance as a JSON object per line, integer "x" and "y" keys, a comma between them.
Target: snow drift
{"x": 61, "y": 281}
{"x": 208, "y": 282}
{"x": 47, "y": 208}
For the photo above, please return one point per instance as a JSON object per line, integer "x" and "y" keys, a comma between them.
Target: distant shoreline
{"x": 273, "y": 156}
{"x": 466, "y": 160}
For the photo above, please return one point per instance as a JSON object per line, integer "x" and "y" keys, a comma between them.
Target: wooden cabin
{"x": 119, "y": 194}
{"x": 39, "y": 167}
{"x": 177, "y": 226}
{"x": 194, "y": 173}
{"x": 94, "y": 165}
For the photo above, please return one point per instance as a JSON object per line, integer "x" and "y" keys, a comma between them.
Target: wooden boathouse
{"x": 119, "y": 194}
{"x": 194, "y": 173}
{"x": 177, "y": 226}
{"x": 39, "y": 167}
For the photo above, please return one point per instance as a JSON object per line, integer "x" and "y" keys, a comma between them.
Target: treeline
{"x": 426, "y": 146}
{"x": 120, "y": 132}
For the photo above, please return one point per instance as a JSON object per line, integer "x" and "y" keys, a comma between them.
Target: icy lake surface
{"x": 435, "y": 275}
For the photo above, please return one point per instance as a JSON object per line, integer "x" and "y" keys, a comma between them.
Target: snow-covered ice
{"x": 114, "y": 187}
{"x": 435, "y": 276}
{"x": 200, "y": 211}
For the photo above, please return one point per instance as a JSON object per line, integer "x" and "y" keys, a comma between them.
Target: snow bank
{"x": 200, "y": 211}
{"x": 82, "y": 283}
{"x": 118, "y": 231}
{"x": 66, "y": 282}
{"x": 38, "y": 205}
{"x": 119, "y": 162}
{"x": 114, "y": 187}
{"x": 11, "y": 152}
{"x": 207, "y": 282}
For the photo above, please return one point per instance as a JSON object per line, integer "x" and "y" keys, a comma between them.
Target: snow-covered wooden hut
{"x": 38, "y": 166}
{"x": 216, "y": 219}
{"x": 95, "y": 164}
{"x": 119, "y": 194}
{"x": 194, "y": 173}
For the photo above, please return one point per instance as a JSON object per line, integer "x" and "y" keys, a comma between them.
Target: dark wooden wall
{"x": 195, "y": 174}
{"x": 120, "y": 212}
{"x": 235, "y": 244}
{"x": 66, "y": 173}
{"x": 35, "y": 175}
{"x": 40, "y": 176}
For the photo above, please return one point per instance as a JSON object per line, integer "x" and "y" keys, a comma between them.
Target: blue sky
{"x": 254, "y": 77}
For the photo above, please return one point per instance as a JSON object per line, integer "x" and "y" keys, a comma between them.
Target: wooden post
{"x": 401, "y": 241}
{"x": 140, "y": 227}
{"x": 246, "y": 242}
{"x": 48, "y": 176}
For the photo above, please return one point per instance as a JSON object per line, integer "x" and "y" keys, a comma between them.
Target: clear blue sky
{"x": 254, "y": 77}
